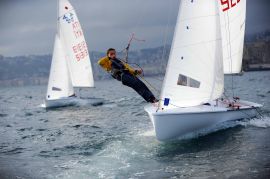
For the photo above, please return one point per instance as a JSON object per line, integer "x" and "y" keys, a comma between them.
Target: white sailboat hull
{"x": 73, "y": 101}
{"x": 180, "y": 122}
{"x": 62, "y": 102}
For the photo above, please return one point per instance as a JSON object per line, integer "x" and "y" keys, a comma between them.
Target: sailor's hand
{"x": 138, "y": 71}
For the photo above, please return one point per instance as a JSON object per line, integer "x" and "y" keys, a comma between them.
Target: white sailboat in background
{"x": 71, "y": 66}
{"x": 208, "y": 43}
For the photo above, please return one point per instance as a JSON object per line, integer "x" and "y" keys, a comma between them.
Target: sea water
{"x": 116, "y": 139}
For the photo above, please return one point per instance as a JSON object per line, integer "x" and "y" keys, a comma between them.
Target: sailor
{"x": 127, "y": 75}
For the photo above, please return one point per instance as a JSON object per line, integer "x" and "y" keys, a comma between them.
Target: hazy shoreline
{"x": 34, "y": 69}
{"x": 44, "y": 81}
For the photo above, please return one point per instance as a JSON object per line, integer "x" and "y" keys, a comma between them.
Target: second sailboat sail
{"x": 73, "y": 40}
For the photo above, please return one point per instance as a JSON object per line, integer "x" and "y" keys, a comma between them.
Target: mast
{"x": 58, "y": 28}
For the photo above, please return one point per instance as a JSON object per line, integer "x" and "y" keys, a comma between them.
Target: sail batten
{"x": 194, "y": 72}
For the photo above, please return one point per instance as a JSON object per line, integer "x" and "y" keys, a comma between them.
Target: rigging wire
{"x": 126, "y": 50}
{"x": 142, "y": 76}
{"x": 230, "y": 52}
{"x": 165, "y": 39}
{"x": 228, "y": 38}
{"x": 232, "y": 75}
{"x": 134, "y": 30}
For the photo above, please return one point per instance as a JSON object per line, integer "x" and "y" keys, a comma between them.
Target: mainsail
{"x": 59, "y": 85}
{"x": 232, "y": 19}
{"x": 194, "y": 72}
{"x": 73, "y": 40}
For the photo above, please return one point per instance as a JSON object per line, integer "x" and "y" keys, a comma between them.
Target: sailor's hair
{"x": 109, "y": 50}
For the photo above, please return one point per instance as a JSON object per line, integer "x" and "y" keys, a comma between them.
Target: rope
{"x": 258, "y": 112}
{"x": 149, "y": 84}
{"x": 126, "y": 50}
{"x": 157, "y": 79}
{"x": 256, "y": 109}
{"x": 231, "y": 66}
{"x": 142, "y": 76}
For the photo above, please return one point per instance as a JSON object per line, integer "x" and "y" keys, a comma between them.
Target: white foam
{"x": 118, "y": 100}
{"x": 262, "y": 122}
{"x": 42, "y": 105}
{"x": 110, "y": 105}
{"x": 88, "y": 101}
{"x": 149, "y": 133}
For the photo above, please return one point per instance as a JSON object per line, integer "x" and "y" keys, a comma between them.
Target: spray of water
{"x": 261, "y": 122}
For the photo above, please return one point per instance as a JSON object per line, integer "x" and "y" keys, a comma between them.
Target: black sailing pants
{"x": 135, "y": 83}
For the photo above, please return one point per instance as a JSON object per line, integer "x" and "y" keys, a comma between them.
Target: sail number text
{"x": 80, "y": 51}
{"x": 228, "y": 4}
{"x": 77, "y": 30}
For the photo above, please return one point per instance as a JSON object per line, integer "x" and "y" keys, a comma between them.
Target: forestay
{"x": 194, "y": 73}
{"x": 59, "y": 81}
{"x": 232, "y": 18}
{"x": 72, "y": 38}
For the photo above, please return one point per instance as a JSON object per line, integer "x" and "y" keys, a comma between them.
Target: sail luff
{"x": 169, "y": 61}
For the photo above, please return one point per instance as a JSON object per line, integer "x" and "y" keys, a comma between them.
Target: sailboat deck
{"x": 222, "y": 106}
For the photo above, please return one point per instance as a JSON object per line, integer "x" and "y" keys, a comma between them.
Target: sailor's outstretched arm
{"x": 105, "y": 63}
{"x": 132, "y": 70}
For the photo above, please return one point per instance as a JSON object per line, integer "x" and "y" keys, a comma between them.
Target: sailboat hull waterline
{"x": 61, "y": 102}
{"x": 184, "y": 122}
{"x": 73, "y": 101}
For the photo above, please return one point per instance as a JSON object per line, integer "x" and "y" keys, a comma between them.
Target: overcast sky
{"x": 29, "y": 26}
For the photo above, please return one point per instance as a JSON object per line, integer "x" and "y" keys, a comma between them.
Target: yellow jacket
{"x": 106, "y": 64}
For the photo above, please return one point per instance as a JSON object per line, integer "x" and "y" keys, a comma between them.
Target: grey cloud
{"x": 29, "y": 26}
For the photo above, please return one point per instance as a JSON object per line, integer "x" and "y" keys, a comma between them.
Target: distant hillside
{"x": 263, "y": 36}
{"x": 34, "y": 69}
{"x": 256, "y": 56}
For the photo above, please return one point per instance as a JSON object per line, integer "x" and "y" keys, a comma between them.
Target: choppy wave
{"x": 117, "y": 140}
{"x": 261, "y": 122}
